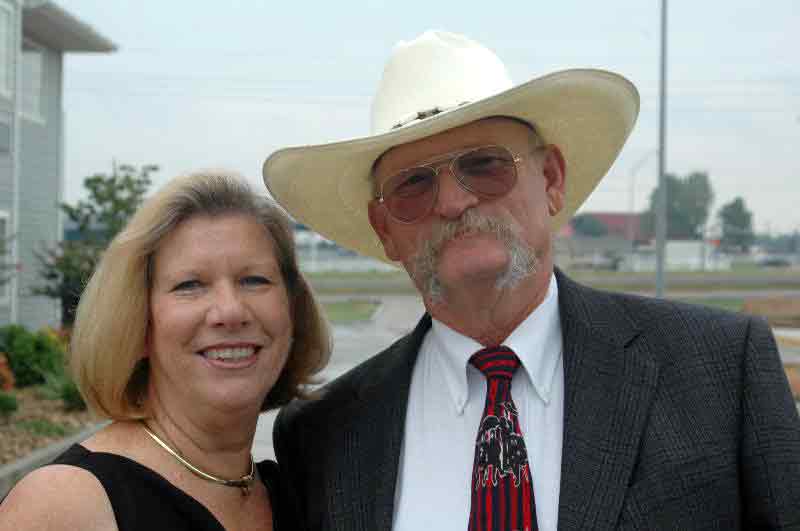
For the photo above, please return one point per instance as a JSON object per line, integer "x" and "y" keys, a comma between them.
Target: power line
{"x": 290, "y": 97}
{"x": 693, "y": 82}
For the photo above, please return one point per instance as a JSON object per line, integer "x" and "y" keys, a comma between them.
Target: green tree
{"x": 112, "y": 199}
{"x": 588, "y": 225}
{"x": 688, "y": 201}
{"x": 737, "y": 225}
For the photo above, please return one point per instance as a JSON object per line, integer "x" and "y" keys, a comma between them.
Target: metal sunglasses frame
{"x": 437, "y": 163}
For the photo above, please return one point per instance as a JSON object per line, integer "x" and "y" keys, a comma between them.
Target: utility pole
{"x": 629, "y": 224}
{"x": 661, "y": 206}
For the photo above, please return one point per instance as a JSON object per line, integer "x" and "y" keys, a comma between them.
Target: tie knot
{"x": 496, "y": 362}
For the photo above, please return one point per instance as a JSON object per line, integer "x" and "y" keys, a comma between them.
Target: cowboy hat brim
{"x": 587, "y": 113}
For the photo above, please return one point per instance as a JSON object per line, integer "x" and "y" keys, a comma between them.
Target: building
{"x": 622, "y": 233}
{"x": 34, "y": 37}
{"x": 624, "y": 246}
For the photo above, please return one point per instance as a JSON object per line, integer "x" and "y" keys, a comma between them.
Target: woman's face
{"x": 221, "y": 325}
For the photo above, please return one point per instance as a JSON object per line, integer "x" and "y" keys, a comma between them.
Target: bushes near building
{"x": 31, "y": 355}
{"x": 39, "y": 358}
{"x": 8, "y": 405}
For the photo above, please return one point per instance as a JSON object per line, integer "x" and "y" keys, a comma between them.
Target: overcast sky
{"x": 205, "y": 83}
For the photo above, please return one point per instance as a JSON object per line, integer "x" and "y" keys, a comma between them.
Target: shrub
{"x": 59, "y": 386}
{"x": 31, "y": 356}
{"x": 59, "y": 335}
{"x": 51, "y": 355}
{"x": 8, "y": 405}
{"x": 71, "y": 396}
{"x": 20, "y": 352}
{"x": 39, "y": 359}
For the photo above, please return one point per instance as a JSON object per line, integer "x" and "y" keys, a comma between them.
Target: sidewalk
{"x": 397, "y": 315}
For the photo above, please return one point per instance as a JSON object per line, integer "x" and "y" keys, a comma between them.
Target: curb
{"x": 12, "y": 472}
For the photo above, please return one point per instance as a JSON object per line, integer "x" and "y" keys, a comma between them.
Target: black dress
{"x": 144, "y": 500}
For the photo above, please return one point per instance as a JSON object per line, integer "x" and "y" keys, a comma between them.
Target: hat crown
{"x": 436, "y": 72}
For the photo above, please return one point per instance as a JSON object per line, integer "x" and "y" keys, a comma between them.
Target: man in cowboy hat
{"x": 522, "y": 400}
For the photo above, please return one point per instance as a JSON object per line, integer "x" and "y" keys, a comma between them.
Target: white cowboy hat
{"x": 437, "y": 82}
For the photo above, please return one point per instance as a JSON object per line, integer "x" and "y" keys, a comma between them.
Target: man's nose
{"x": 452, "y": 199}
{"x": 228, "y": 309}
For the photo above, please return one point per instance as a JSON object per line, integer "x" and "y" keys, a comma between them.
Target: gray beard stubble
{"x": 523, "y": 261}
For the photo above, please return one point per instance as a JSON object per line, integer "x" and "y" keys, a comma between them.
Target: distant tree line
{"x": 780, "y": 244}
{"x": 689, "y": 201}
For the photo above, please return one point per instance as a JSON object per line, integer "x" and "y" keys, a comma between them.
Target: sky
{"x": 200, "y": 83}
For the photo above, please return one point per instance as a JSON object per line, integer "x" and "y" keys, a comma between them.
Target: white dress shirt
{"x": 445, "y": 405}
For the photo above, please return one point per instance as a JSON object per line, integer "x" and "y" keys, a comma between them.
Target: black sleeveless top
{"x": 144, "y": 500}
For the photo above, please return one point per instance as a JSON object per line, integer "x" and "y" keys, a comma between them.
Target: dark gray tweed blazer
{"x": 676, "y": 417}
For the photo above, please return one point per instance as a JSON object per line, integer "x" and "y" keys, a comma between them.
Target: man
{"x": 521, "y": 400}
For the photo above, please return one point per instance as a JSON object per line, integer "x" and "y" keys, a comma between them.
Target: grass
{"x": 349, "y": 311}
{"x": 343, "y": 283}
{"x": 348, "y": 275}
{"x": 696, "y": 281}
{"x": 740, "y": 278}
{"x": 43, "y": 428}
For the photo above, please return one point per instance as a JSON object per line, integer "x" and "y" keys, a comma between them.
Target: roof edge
{"x": 50, "y": 24}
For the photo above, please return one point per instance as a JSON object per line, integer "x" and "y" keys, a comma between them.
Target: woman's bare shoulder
{"x": 57, "y": 497}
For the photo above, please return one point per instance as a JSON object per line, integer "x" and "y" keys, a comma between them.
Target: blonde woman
{"x": 196, "y": 320}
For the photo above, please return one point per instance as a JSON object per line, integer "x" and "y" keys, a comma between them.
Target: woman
{"x": 195, "y": 321}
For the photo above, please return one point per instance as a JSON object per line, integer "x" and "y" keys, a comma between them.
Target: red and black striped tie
{"x": 502, "y": 489}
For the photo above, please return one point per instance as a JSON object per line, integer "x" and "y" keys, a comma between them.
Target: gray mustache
{"x": 523, "y": 261}
{"x": 470, "y": 221}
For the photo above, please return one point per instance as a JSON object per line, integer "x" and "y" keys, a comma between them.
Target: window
{"x": 32, "y": 81}
{"x": 5, "y": 258}
{"x": 6, "y": 49}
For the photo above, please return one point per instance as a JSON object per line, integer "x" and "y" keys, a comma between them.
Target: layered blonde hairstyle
{"x": 111, "y": 326}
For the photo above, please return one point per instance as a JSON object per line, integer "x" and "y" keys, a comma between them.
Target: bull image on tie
{"x": 501, "y": 451}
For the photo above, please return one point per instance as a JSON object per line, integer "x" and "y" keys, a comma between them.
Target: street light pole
{"x": 629, "y": 225}
{"x": 661, "y": 206}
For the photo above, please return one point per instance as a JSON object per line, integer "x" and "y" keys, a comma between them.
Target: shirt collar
{"x": 537, "y": 342}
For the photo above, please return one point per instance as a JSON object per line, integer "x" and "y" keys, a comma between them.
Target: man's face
{"x": 467, "y": 238}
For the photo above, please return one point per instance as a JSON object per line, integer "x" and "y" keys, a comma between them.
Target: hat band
{"x": 421, "y": 115}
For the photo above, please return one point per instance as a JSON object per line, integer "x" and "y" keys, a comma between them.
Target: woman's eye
{"x": 255, "y": 280}
{"x": 187, "y": 285}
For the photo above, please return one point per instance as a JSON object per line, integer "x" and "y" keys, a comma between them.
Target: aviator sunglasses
{"x": 488, "y": 171}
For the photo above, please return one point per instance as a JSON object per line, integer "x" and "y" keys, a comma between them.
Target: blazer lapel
{"x": 385, "y": 397}
{"x": 608, "y": 390}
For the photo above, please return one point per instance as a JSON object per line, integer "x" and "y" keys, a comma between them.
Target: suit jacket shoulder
{"x": 676, "y": 416}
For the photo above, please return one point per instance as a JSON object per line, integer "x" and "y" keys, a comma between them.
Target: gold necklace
{"x": 243, "y": 482}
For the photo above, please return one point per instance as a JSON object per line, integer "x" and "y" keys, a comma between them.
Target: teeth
{"x": 229, "y": 353}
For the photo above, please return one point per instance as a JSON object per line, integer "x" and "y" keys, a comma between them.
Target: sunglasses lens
{"x": 409, "y": 195}
{"x": 489, "y": 171}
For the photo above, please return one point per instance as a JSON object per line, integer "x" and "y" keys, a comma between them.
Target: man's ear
{"x": 554, "y": 169}
{"x": 378, "y": 220}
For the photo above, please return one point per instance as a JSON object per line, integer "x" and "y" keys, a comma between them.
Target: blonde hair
{"x": 110, "y": 332}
